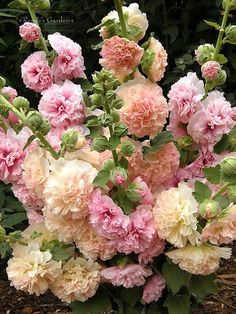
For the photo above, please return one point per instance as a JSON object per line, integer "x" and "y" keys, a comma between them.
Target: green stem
{"x": 221, "y": 33}
{"x": 222, "y": 190}
{"x": 22, "y": 117}
{"x": 35, "y": 21}
{"x": 119, "y": 10}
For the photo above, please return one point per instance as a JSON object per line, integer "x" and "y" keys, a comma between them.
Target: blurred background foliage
{"x": 178, "y": 24}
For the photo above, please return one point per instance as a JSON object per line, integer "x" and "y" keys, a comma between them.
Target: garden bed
{"x": 17, "y": 302}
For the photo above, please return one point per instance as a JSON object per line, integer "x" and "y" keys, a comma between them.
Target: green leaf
{"x": 222, "y": 145}
{"x": 13, "y": 219}
{"x": 227, "y": 179}
{"x": 108, "y": 165}
{"x": 212, "y": 174}
{"x": 224, "y": 201}
{"x": 102, "y": 178}
{"x": 60, "y": 253}
{"x": 174, "y": 276}
{"x": 202, "y": 286}
{"x": 125, "y": 203}
{"x": 3, "y": 42}
{"x": 178, "y": 304}
{"x": 131, "y": 296}
{"x": 5, "y": 250}
{"x": 29, "y": 141}
{"x": 202, "y": 192}
{"x": 212, "y": 24}
{"x": 161, "y": 139}
{"x": 221, "y": 59}
{"x": 2, "y": 197}
{"x": 123, "y": 162}
{"x": 172, "y": 31}
{"x": 114, "y": 141}
{"x": 100, "y": 303}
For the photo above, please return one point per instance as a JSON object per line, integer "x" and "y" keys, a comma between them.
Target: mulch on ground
{"x": 17, "y": 302}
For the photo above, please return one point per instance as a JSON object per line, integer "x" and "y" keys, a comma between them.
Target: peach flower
{"x": 199, "y": 260}
{"x": 79, "y": 280}
{"x": 145, "y": 108}
{"x": 68, "y": 187}
{"x": 154, "y": 168}
{"x": 175, "y": 215}
{"x": 36, "y": 170}
{"x": 121, "y": 56}
{"x": 223, "y": 229}
{"x": 158, "y": 67}
{"x": 31, "y": 270}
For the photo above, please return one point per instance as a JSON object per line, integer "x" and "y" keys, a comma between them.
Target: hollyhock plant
{"x": 122, "y": 189}
{"x": 69, "y": 63}
{"x": 36, "y": 72}
{"x": 121, "y": 56}
{"x": 30, "y": 32}
{"x": 62, "y": 104}
{"x": 145, "y": 108}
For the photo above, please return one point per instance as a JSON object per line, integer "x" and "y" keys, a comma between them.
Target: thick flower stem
{"x": 37, "y": 134}
{"x": 35, "y": 21}
{"x": 119, "y": 10}
{"x": 221, "y": 33}
{"x": 222, "y": 190}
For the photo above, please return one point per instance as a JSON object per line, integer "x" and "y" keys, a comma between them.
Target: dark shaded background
{"x": 179, "y": 24}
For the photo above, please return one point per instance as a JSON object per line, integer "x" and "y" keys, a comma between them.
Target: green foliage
{"x": 178, "y": 304}
{"x": 174, "y": 276}
{"x": 202, "y": 192}
{"x": 212, "y": 174}
{"x": 160, "y": 140}
{"x": 202, "y": 286}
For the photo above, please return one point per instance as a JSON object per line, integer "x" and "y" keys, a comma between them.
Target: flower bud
{"x": 2, "y": 82}
{"x": 100, "y": 144}
{"x": 211, "y": 70}
{"x": 72, "y": 140}
{"x": 204, "y": 53}
{"x": 127, "y": 148}
{"x": 115, "y": 116}
{"x": 209, "y": 209}
{"x": 220, "y": 80}
{"x": 42, "y": 5}
{"x": 231, "y": 34}
{"x": 34, "y": 120}
{"x": 185, "y": 142}
{"x": 230, "y": 3}
{"x": 118, "y": 176}
{"x": 30, "y": 32}
{"x": 96, "y": 100}
{"x": 45, "y": 127}
{"x": 117, "y": 104}
{"x": 228, "y": 166}
{"x": 21, "y": 103}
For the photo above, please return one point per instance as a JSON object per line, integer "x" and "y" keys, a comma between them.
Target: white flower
{"x": 68, "y": 187}
{"x": 31, "y": 270}
{"x": 79, "y": 280}
{"x": 175, "y": 215}
{"x": 199, "y": 260}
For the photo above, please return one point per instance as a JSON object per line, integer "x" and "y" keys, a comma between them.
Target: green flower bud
{"x": 18, "y": 4}
{"x": 231, "y": 192}
{"x": 147, "y": 61}
{"x": 34, "y": 120}
{"x": 231, "y": 34}
{"x": 41, "y": 5}
{"x": 98, "y": 88}
{"x": 209, "y": 209}
{"x": 96, "y": 100}
{"x": 2, "y": 82}
{"x": 117, "y": 104}
{"x": 100, "y": 144}
{"x": 185, "y": 142}
{"x": 230, "y": 3}
{"x": 127, "y": 148}
{"x": 228, "y": 166}
{"x": 45, "y": 127}
{"x": 118, "y": 176}
{"x": 204, "y": 53}
{"x": 110, "y": 94}
{"x": 220, "y": 80}
{"x": 72, "y": 140}
{"x": 120, "y": 130}
{"x": 115, "y": 116}
{"x": 21, "y": 103}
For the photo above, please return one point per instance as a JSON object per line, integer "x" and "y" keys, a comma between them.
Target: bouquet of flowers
{"x": 130, "y": 196}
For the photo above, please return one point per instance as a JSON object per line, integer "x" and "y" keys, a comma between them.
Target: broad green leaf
{"x": 212, "y": 174}
{"x": 174, "y": 276}
{"x": 101, "y": 178}
{"x": 108, "y": 165}
{"x": 172, "y": 31}
{"x": 131, "y": 296}
{"x": 161, "y": 139}
{"x": 202, "y": 192}
{"x": 227, "y": 179}
{"x": 100, "y": 303}
{"x": 221, "y": 59}
{"x": 224, "y": 201}
{"x": 13, "y": 220}
{"x": 123, "y": 162}
{"x": 178, "y": 304}
{"x": 202, "y": 286}
{"x": 114, "y": 141}
{"x": 222, "y": 145}
{"x": 60, "y": 253}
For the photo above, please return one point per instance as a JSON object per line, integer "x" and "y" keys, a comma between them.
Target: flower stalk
{"x": 37, "y": 134}
{"x": 119, "y": 10}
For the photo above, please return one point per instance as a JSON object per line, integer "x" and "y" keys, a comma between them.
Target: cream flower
{"x": 68, "y": 187}
{"x": 31, "y": 270}
{"x": 175, "y": 215}
{"x": 199, "y": 260}
{"x": 42, "y": 231}
{"x": 36, "y": 170}
{"x": 79, "y": 280}
{"x": 222, "y": 229}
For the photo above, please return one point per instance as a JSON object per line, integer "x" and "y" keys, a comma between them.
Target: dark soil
{"x": 16, "y": 302}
